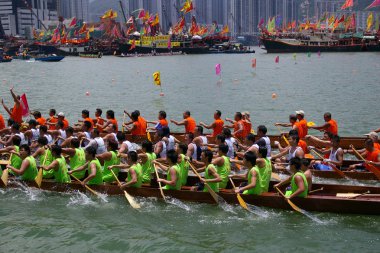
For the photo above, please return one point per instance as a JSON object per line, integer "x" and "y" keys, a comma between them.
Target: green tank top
{"x": 257, "y": 189}
{"x": 223, "y": 172}
{"x": 184, "y": 168}
{"x": 214, "y": 186}
{"x": 169, "y": 178}
{"x": 16, "y": 161}
{"x": 46, "y": 159}
{"x": 31, "y": 172}
{"x": 76, "y": 161}
{"x": 147, "y": 168}
{"x": 138, "y": 169}
{"x": 294, "y": 186}
{"x": 61, "y": 175}
{"x": 108, "y": 177}
{"x": 98, "y": 179}
{"x": 265, "y": 175}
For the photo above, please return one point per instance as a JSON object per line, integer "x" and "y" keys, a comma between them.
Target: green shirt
{"x": 46, "y": 159}
{"x": 265, "y": 175}
{"x": 223, "y": 172}
{"x": 98, "y": 179}
{"x": 76, "y": 161}
{"x": 147, "y": 168}
{"x": 138, "y": 169}
{"x": 31, "y": 172}
{"x": 108, "y": 177}
{"x": 61, "y": 175}
{"x": 16, "y": 161}
{"x": 169, "y": 178}
{"x": 294, "y": 186}
{"x": 257, "y": 189}
{"x": 184, "y": 168}
{"x": 214, "y": 186}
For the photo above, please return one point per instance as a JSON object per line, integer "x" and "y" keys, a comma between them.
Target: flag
{"x": 141, "y": 14}
{"x": 146, "y": 17}
{"x": 24, "y": 105}
{"x": 254, "y": 63}
{"x": 225, "y": 30}
{"x": 169, "y": 43}
{"x": 324, "y": 17}
{"x": 133, "y": 45}
{"x": 294, "y": 24}
{"x": 88, "y": 35}
{"x": 35, "y": 35}
{"x": 307, "y": 25}
{"x": 157, "y": 78}
{"x": 130, "y": 20}
{"x": 92, "y": 29}
{"x": 156, "y": 21}
{"x": 187, "y": 7}
{"x": 261, "y": 22}
{"x": 73, "y": 22}
{"x": 373, "y": 4}
{"x": 369, "y": 21}
{"x": 331, "y": 19}
{"x": 353, "y": 21}
{"x": 109, "y": 14}
{"x": 83, "y": 28}
{"x": 277, "y": 59}
{"x": 115, "y": 32}
{"x": 41, "y": 34}
{"x": 218, "y": 69}
{"x": 347, "y": 4}
{"x": 278, "y": 21}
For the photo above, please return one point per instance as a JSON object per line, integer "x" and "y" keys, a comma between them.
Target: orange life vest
{"x": 191, "y": 124}
{"x": 218, "y": 128}
{"x": 143, "y": 125}
{"x": 372, "y": 157}
{"x": 137, "y": 128}
{"x": 333, "y": 128}
{"x": 17, "y": 113}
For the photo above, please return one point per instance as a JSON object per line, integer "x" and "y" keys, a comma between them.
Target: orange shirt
{"x": 17, "y": 113}
{"x": 99, "y": 121}
{"x": 54, "y": 121}
{"x": 376, "y": 146}
{"x": 65, "y": 123}
{"x": 236, "y": 127}
{"x": 143, "y": 125}
{"x": 303, "y": 145}
{"x": 2, "y": 123}
{"x": 333, "y": 128}
{"x": 301, "y": 133}
{"x": 163, "y": 122}
{"x": 303, "y": 124}
{"x": 41, "y": 121}
{"x": 191, "y": 124}
{"x": 90, "y": 120}
{"x": 218, "y": 128}
{"x": 137, "y": 128}
{"x": 246, "y": 128}
{"x": 372, "y": 157}
{"x": 114, "y": 122}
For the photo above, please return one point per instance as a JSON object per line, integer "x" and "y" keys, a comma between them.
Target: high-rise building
{"x": 74, "y": 8}
{"x": 20, "y": 16}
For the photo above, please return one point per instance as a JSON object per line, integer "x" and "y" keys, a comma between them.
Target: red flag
{"x": 261, "y": 22}
{"x": 254, "y": 63}
{"x": 130, "y": 20}
{"x": 347, "y": 4}
{"x": 24, "y": 105}
{"x": 133, "y": 45}
{"x": 73, "y": 22}
{"x": 277, "y": 60}
{"x": 83, "y": 28}
{"x": 141, "y": 14}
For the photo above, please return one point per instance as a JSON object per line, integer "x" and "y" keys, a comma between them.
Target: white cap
{"x": 61, "y": 114}
{"x": 300, "y": 112}
{"x": 372, "y": 135}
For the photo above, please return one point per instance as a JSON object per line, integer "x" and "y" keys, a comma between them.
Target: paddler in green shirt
{"x": 173, "y": 178}
{"x": 58, "y": 166}
{"x": 212, "y": 178}
{"x": 147, "y": 156}
{"x": 183, "y": 162}
{"x": 16, "y": 161}
{"x": 95, "y": 175}
{"x": 253, "y": 176}
{"x": 110, "y": 158}
{"x": 76, "y": 156}
{"x": 28, "y": 169}
{"x": 44, "y": 155}
{"x": 222, "y": 164}
{"x": 135, "y": 174}
{"x": 298, "y": 182}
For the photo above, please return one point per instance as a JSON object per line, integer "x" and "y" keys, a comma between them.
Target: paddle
{"x": 316, "y": 190}
{"x": 275, "y": 176}
{"x": 87, "y": 187}
{"x": 240, "y": 199}
{"x": 130, "y": 199}
{"x": 122, "y": 126}
{"x": 209, "y": 189}
{"x": 296, "y": 208}
{"x": 159, "y": 183}
{"x": 370, "y": 167}
{"x": 338, "y": 171}
{"x": 39, "y": 176}
{"x": 283, "y": 136}
{"x": 4, "y": 176}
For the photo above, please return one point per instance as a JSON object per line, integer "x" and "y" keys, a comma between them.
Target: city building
{"x": 74, "y": 8}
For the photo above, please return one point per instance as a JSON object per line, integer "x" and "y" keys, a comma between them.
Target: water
{"x": 38, "y": 221}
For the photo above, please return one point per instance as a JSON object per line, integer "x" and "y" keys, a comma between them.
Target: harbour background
{"x": 344, "y": 84}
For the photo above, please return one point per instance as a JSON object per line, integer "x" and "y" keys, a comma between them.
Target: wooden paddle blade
{"x": 38, "y": 178}
{"x": 4, "y": 177}
{"x": 92, "y": 191}
{"x": 242, "y": 202}
{"x": 276, "y": 176}
{"x": 131, "y": 200}
{"x": 296, "y": 208}
{"x": 212, "y": 192}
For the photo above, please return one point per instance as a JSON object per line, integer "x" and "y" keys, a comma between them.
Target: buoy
{"x": 113, "y": 80}
{"x": 87, "y": 93}
{"x": 162, "y": 94}
{"x": 274, "y": 95}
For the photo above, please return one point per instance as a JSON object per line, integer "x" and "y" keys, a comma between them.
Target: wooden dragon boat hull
{"x": 322, "y": 201}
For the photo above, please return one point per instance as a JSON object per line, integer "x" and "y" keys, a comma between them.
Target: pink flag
{"x": 374, "y": 4}
{"x": 73, "y": 22}
{"x": 24, "y": 105}
{"x": 141, "y": 14}
{"x": 277, "y": 60}
{"x": 254, "y": 63}
{"x": 218, "y": 69}
{"x": 261, "y": 22}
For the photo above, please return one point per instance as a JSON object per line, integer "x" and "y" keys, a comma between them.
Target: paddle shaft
{"x": 338, "y": 171}
{"x": 159, "y": 183}
{"x": 283, "y": 136}
{"x": 86, "y": 186}
{"x": 296, "y": 208}
{"x": 365, "y": 193}
{"x": 370, "y": 167}
{"x": 316, "y": 190}
{"x": 122, "y": 126}
{"x": 130, "y": 199}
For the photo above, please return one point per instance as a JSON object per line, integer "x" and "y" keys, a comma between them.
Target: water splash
{"x": 80, "y": 199}
{"x": 225, "y": 206}
{"x": 257, "y": 211}
{"x": 178, "y": 203}
{"x": 314, "y": 218}
{"x": 32, "y": 193}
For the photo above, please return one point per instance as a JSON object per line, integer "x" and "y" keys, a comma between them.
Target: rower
{"x": 292, "y": 151}
{"x": 58, "y": 166}
{"x": 147, "y": 156}
{"x": 16, "y": 114}
{"x": 162, "y": 122}
{"x": 14, "y": 131}
{"x": 294, "y": 124}
{"x": 44, "y": 156}
{"x": 301, "y": 143}
{"x": 187, "y": 121}
{"x": 200, "y": 139}
{"x": 160, "y": 147}
{"x": 143, "y": 123}
{"x": 33, "y": 133}
{"x": 183, "y": 162}
{"x": 61, "y": 117}
{"x": 95, "y": 175}
{"x": 231, "y": 143}
{"x": 237, "y": 125}
{"x": 97, "y": 142}
{"x": 110, "y": 133}
{"x": 2, "y": 122}
{"x": 247, "y": 123}
{"x": 124, "y": 145}
{"x": 249, "y": 145}
{"x": 69, "y": 136}
{"x": 222, "y": 164}
{"x": 298, "y": 182}
{"x": 372, "y": 157}
{"x": 109, "y": 158}
{"x": 192, "y": 149}
{"x": 263, "y": 139}
{"x": 169, "y": 139}
{"x": 135, "y": 174}
{"x": 86, "y": 117}
{"x": 14, "y": 148}
{"x": 211, "y": 177}
{"x": 85, "y": 135}
{"x": 302, "y": 123}
{"x": 330, "y": 125}
{"x": 44, "y": 133}
{"x": 110, "y": 115}
{"x": 173, "y": 180}
{"x": 76, "y": 156}
{"x": 375, "y": 137}
{"x": 136, "y": 129}
{"x": 38, "y": 117}
{"x": 217, "y": 125}
{"x": 28, "y": 168}
{"x": 98, "y": 120}
{"x": 305, "y": 167}
{"x": 52, "y": 120}
{"x": 335, "y": 153}
{"x": 59, "y": 134}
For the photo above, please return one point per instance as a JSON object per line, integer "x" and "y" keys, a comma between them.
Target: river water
{"x": 347, "y": 85}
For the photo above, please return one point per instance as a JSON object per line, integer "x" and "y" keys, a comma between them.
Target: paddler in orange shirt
{"x": 187, "y": 121}
{"x": 330, "y": 126}
{"x": 16, "y": 114}
{"x": 52, "y": 120}
{"x": 217, "y": 125}
{"x": 302, "y": 123}
{"x": 294, "y": 124}
{"x": 371, "y": 156}
{"x": 162, "y": 122}
{"x": 237, "y": 125}
{"x": 38, "y": 117}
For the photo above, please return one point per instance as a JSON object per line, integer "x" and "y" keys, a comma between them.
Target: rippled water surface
{"x": 345, "y": 84}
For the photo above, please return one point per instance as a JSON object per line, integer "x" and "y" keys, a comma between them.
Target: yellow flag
{"x": 156, "y": 20}
{"x": 92, "y": 29}
{"x": 331, "y": 19}
{"x": 369, "y": 21}
{"x": 157, "y": 78}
